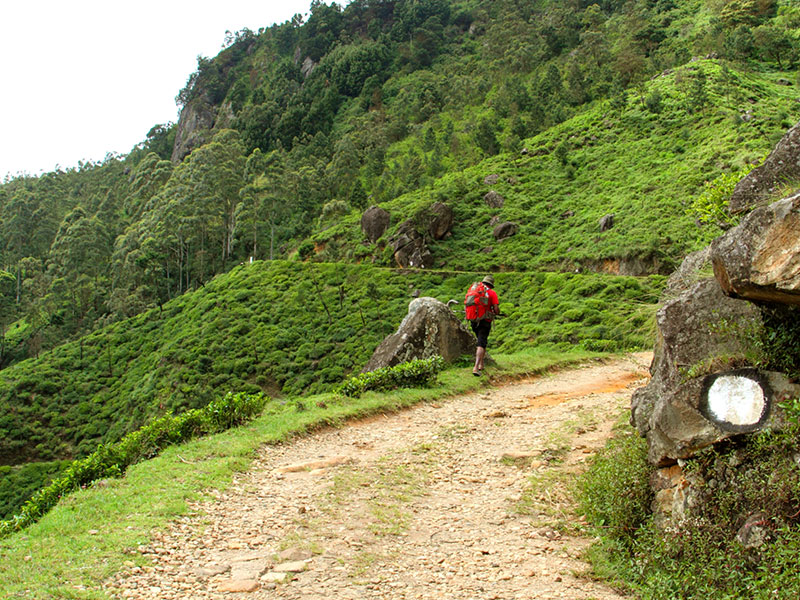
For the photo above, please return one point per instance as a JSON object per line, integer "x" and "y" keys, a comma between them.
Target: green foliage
{"x": 398, "y": 104}
{"x": 702, "y": 557}
{"x": 414, "y": 373}
{"x": 283, "y": 328}
{"x": 711, "y": 206}
{"x": 19, "y": 483}
{"x": 112, "y": 460}
{"x": 614, "y": 492}
{"x": 779, "y": 340}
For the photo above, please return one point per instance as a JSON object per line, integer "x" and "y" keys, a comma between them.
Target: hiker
{"x": 481, "y": 307}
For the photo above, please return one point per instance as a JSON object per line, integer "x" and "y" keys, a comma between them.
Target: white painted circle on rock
{"x": 736, "y": 400}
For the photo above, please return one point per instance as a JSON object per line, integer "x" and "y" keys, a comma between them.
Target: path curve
{"x": 463, "y": 499}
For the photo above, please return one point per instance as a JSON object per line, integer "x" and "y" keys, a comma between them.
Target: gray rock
{"x": 667, "y": 410}
{"x": 782, "y": 165}
{"x": 307, "y": 67}
{"x": 505, "y": 230}
{"x": 194, "y": 124}
{"x": 494, "y": 200}
{"x": 441, "y": 220}
{"x": 491, "y": 179}
{"x": 759, "y": 260}
{"x": 374, "y": 222}
{"x": 695, "y": 266}
{"x": 429, "y": 329}
{"x": 606, "y": 222}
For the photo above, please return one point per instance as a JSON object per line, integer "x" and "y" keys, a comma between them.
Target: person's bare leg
{"x": 479, "y": 354}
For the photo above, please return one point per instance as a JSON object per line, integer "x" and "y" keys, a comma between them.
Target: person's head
{"x": 489, "y": 280}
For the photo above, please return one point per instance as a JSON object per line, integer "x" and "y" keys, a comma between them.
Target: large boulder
{"x": 374, "y": 222}
{"x": 429, "y": 329}
{"x": 781, "y": 166}
{"x": 760, "y": 259}
{"x": 703, "y": 389}
{"x": 441, "y": 219}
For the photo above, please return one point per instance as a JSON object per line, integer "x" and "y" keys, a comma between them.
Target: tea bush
{"x": 111, "y": 460}
{"x": 414, "y": 373}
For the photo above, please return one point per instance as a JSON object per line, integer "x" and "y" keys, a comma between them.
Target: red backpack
{"x": 476, "y": 302}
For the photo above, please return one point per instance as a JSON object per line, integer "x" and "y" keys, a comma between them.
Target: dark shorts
{"x": 481, "y": 330}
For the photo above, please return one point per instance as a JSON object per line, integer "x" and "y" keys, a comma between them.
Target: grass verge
{"x": 91, "y": 533}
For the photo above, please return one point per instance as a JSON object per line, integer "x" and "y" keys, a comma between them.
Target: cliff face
{"x": 196, "y": 120}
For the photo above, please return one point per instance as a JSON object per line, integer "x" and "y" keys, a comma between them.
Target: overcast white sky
{"x": 82, "y": 78}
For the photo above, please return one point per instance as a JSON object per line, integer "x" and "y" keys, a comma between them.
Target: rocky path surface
{"x": 466, "y": 498}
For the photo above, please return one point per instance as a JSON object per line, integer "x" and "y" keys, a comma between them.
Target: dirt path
{"x": 462, "y": 499}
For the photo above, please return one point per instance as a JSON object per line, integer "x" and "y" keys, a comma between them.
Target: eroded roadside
{"x": 460, "y": 499}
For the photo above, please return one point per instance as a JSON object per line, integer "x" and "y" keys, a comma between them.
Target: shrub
{"x": 614, "y": 493}
{"x": 112, "y": 460}
{"x": 414, "y": 373}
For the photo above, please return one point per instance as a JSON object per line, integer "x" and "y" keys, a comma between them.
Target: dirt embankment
{"x": 466, "y": 498}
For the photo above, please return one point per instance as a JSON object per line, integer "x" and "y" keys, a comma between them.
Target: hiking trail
{"x": 463, "y": 498}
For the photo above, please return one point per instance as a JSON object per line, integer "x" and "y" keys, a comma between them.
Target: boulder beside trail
{"x": 429, "y": 329}
{"x": 690, "y": 348}
{"x": 759, "y": 260}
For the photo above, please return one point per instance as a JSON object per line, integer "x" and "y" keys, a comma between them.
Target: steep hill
{"x": 284, "y": 328}
{"x": 644, "y": 158}
{"x": 292, "y": 131}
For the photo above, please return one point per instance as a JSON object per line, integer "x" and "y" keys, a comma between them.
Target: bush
{"x": 414, "y": 373}
{"x": 614, "y": 493}
{"x": 112, "y": 460}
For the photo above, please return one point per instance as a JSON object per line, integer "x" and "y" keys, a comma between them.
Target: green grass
{"x": 91, "y": 533}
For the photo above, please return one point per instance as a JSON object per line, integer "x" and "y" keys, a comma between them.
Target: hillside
{"x": 285, "y": 328}
{"x": 582, "y": 148}
{"x": 643, "y": 158}
{"x": 292, "y": 131}
{"x": 128, "y": 288}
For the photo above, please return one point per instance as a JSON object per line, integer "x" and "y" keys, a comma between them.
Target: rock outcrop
{"x": 375, "y": 222}
{"x": 781, "y": 166}
{"x": 410, "y": 241}
{"x": 410, "y": 249}
{"x": 706, "y": 385}
{"x": 429, "y": 329}
{"x": 759, "y": 260}
{"x": 692, "y": 348}
{"x": 196, "y": 119}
